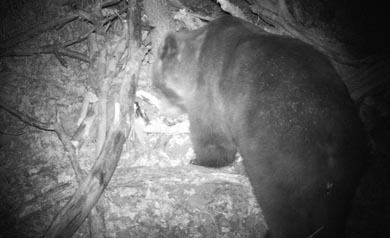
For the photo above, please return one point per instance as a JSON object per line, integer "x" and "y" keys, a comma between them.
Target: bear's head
{"x": 176, "y": 69}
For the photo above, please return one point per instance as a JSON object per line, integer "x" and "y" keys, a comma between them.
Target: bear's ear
{"x": 170, "y": 48}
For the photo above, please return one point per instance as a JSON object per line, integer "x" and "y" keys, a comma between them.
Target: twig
{"x": 57, "y": 49}
{"x": 110, "y": 3}
{"x": 71, "y": 153}
{"x": 79, "y": 39}
{"x": 316, "y": 232}
{"x": 48, "y": 49}
{"x": 24, "y": 36}
{"x": 55, "y": 127}
{"x": 29, "y": 120}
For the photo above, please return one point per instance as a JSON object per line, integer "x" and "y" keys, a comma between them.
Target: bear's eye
{"x": 170, "y": 48}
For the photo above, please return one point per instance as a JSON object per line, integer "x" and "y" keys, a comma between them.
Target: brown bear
{"x": 280, "y": 104}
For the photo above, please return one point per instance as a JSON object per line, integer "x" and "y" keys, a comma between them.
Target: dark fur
{"x": 281, "y": 104}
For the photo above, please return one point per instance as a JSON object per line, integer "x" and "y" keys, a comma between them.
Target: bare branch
{"x": 24, "y": 36}
{"x": 58, "y": 129}
{"x": 29, "y": 120}
{"x": 79, "y": 39}
{"x": 49, "y": 49}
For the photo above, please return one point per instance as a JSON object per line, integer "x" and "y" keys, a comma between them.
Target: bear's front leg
{"x": 211, "y": 146}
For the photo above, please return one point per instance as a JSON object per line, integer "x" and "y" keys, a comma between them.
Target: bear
{"x": 281, "y": 105}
